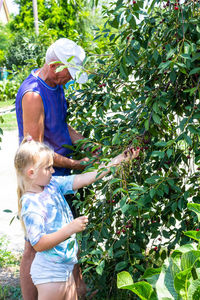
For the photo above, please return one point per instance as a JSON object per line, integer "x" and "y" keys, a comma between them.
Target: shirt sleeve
{"x": 65, "y": 184}
{"x": 34, "y": 224}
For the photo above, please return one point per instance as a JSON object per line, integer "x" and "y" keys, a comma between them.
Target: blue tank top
{"x": 56, "y": 132}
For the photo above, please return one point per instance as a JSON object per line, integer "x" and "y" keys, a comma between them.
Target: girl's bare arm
{"x": 82, "y": 180}
{"x": 50, "y": 240}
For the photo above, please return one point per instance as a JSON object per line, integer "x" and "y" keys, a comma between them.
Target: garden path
{"x": 8, "y": 195}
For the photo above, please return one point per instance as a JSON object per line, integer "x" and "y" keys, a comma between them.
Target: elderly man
{"x": 41, "y": 111}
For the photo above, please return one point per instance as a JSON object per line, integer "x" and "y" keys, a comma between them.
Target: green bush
{"x": 179, "y": 276}
{"x": 144, "y": 92}
{"x": 6, "y": 256}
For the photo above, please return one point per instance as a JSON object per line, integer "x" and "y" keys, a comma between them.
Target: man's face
{"x": 60, "y": 78}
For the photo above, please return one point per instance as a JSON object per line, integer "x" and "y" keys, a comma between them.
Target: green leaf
{"x": 152, "y": 193}
{"x": 142, "y": 289}
{"x": 180, "y": 282}
{"x": 151, "y": 272}
{"x": 121, "y": 265}
{"x": 153, "y": 179}
{"x": 169, "y": 152}
{"x": 165, "y": 284}
{"x": 161, "y": 144}
{"x": 193, "y": 234}
{"x": 146, "y": 125}
{"x": 172, "y": 76}
{"x": 119, "y": 190}
{"x": 195, "y": 207}
{"x": 194, "y": 71}
{"x": 196, "y": 57}
{"x": 156, "y": 118}
{"x": 158, "y": 154}
{"x": 114, "y": 180}
{"x": 71, "y": 245}
{"x": 100, "y": 267}
{"x": 189, "y": 258}
{"x": 194, "y": 289}
{"x": 124, "y": 279}
{"x": 187, "y": 139}
{"x": 7, "y": 210}
{"x": 116, "y": 139}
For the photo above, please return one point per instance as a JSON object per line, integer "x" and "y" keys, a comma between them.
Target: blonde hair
{"x": 29, "y": 153}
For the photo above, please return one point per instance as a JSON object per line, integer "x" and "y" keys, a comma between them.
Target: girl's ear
{"x": 30, "y": 172}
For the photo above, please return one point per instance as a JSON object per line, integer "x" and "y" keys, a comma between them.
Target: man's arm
{"x": 33, "y": 124}
{"x": 75, "y": 135}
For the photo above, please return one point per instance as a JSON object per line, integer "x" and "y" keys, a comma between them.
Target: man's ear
{"x": 53, "y": 67}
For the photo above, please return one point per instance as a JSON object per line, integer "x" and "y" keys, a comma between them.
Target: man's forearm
{"x": 68, "y": 163}
{"x": 74, "y": 135}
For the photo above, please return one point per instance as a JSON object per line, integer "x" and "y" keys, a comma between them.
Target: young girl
{"x": 47, "y": 218}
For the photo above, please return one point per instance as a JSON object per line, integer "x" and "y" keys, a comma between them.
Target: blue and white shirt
{"x": 47, "y": 212}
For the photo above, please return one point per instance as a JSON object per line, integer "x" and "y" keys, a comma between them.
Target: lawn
{"x": 7, "y": 120}
{"x": 9, "y": 273}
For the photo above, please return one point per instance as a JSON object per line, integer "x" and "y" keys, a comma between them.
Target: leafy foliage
{"x": 144, "y": 92}
{"x": 179, "y": 276}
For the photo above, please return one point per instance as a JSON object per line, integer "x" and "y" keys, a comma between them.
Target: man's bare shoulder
{"x": 32, "y": 99}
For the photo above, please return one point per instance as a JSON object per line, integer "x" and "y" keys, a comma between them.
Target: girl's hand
{"x": 78, "y": 224}
{"x": 127, "y": 155}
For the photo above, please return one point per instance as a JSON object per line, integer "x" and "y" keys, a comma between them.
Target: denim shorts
{"x": 44, "y": 271}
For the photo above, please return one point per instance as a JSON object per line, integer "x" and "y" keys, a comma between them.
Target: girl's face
{"x": 44, "y": 173}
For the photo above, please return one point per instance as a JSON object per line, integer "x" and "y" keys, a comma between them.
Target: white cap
{"x": 63, "y": 50}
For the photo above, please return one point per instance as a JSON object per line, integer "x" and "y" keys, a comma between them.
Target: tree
{"x": 144, "y": 92}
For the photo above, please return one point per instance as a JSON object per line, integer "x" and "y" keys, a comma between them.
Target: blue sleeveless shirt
{"x": 56, "y": 132}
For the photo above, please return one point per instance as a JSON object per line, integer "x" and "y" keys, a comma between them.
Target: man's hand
{"x": 82, "y": 167}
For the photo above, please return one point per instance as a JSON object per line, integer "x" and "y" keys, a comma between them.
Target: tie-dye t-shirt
{"x": 47, "y": 212}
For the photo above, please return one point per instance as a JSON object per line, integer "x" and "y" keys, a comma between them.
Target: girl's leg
{"x": 71, "y": 292}
{"x": 51, "y": 291}
{"x": 58, "y": 290}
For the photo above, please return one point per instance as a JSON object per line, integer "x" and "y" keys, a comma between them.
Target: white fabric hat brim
{"x": 83, "y": 78}
{"x": 64, "y": 49}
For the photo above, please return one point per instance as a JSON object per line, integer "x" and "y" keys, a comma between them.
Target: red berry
{"x": 113, "y": 201}
{"x": 176, "y": 8}
{"x": 195, "y": 107}
{"x": 103, "y": 84}
{"x": 118, "y": 232}
{"x": 123, "y": 230}
{"x": 134, "y": 2}
{"x": 197, "y": 229}
{"x": 100, "y": 85}
{"x": 155, "y": 248}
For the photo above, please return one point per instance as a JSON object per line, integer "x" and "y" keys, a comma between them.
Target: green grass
{"x": 4, "y": 104}
{"x": 10, "y": 293}
{"x": 8, "y": 121}
{"x": 7, "y": 260}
